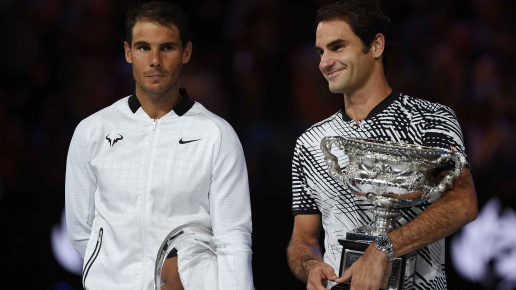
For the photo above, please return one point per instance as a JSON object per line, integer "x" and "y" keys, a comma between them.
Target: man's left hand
{"x": 370, "y": 272}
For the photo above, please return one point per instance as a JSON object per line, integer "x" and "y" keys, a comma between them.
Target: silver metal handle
{"x": 333, "y": 162}
{"x": 459, "y": 160}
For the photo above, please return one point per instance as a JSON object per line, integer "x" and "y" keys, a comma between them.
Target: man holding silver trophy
{"x": 400, "y": 182}
{"x": 158, "y": 169}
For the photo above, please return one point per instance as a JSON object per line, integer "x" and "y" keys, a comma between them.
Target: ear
{"x": 187, "y": 52}
{"x": 378, "y": 45}
{"x": 127, "y": 49}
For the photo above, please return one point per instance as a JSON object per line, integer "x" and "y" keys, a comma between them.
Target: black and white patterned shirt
{"x": 398, "y": 118}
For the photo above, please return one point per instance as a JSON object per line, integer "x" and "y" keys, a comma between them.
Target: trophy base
{"x": 402, "y": 272}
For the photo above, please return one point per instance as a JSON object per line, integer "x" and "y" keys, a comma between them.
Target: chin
{"x": 335, "y": 90}
{"x": 335, "y": 87}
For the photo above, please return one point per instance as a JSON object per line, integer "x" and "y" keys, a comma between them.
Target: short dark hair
{"x": 165, "y": 13}
{"x": 365, "y": 18}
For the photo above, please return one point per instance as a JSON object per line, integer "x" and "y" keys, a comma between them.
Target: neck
{"x": 158, "y": 105}
{"x": 359, "y": 103}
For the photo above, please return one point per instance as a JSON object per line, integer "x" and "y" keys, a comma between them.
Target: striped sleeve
{"x": 442, "y": 130}
{"x": 302, "y": 199}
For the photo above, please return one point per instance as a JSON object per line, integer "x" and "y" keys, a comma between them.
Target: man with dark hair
{"x": 352, "y": 39}
{"x": 152, "y": 162}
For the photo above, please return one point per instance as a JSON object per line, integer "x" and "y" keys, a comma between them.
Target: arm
{"x": 450, "y": 212}
{"x": 304, "y": 253}
{"x": 79, "y": 191}
{"x": 230, "y": 212}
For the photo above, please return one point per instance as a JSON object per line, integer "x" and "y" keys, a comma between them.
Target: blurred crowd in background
{"x": 254, "y": 64}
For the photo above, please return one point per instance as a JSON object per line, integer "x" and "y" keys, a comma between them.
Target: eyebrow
{"x": 172, "y": 43}
{"x": 333, "y": 43}
{"x": 141, "y": 43}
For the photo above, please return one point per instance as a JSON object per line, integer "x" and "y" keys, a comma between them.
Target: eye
{"x": 167, "y": 47}
{"x": 336, "y": 47}
{"x": 143, "y": 47}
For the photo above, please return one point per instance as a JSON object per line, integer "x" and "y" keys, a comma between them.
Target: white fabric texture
{"x": 130, "y": 181}
{"x": 198, "y": 266}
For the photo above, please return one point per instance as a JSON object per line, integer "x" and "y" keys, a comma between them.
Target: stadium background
{"x": 253, "y": 64}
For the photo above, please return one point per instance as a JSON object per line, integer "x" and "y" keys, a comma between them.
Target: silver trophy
{"x": 197, "y": 257}
{"x": 390, "y": 176}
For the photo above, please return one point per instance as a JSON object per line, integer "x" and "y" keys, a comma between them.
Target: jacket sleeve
{"x": 230, "y": 211}
{"x": 80, "y": 188}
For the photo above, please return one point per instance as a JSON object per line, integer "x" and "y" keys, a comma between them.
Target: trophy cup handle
{"x": 460, "y": 162}
{"x": 333, "y": 162}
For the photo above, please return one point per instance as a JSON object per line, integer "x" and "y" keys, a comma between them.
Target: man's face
{"x": 157, "y": 56}
{"x": 343, "y": 62}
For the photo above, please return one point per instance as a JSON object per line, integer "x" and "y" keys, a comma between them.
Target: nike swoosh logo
{"x": 188, "y": 141}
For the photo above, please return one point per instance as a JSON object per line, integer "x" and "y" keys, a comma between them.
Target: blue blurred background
{"x": 253, "y": 64}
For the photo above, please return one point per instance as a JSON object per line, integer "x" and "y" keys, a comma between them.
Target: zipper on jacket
{"x": 92, "y": 258}
{"x": 148, "y": 179}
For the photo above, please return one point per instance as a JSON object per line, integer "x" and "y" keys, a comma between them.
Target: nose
{"x": 155, "y": 56}
{"x": 326, "y": 62}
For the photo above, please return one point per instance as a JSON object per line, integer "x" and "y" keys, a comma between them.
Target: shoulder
{"x": 210, "y": 120}
{"x": 110, "y": 112}
{"x": 317, "y": 131}
{"x": 419, "y": 105}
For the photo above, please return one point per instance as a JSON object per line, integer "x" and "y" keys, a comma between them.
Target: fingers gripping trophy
{"x": 390, "y": 176}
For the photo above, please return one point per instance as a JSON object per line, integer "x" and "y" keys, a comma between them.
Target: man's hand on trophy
{"x": 370, "y": 272}
{"x": 318, "y": 275}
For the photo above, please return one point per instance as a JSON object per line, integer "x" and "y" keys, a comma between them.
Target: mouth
{"x": 333, "y": 73}
{"x": 155, "y": 76}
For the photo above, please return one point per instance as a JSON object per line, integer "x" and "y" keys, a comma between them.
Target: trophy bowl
{"x": 390, "y": 176}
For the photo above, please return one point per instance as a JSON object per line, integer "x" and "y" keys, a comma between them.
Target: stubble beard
{"x": 339, "y": 84}
{"x": 157, "y": 94}
{"x": 336, "y": 87}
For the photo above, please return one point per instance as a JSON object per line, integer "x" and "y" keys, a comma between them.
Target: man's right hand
{"x": 318, "y": 275}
